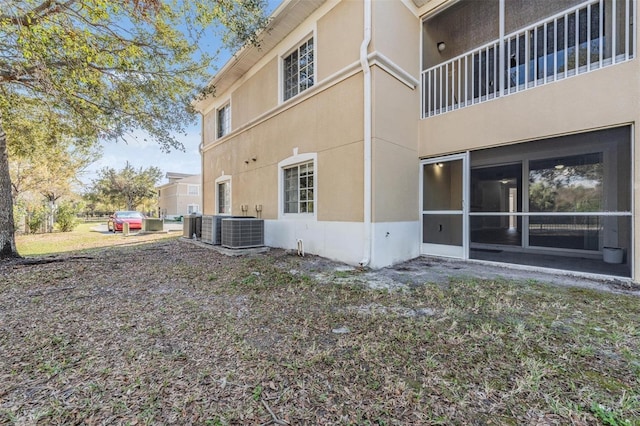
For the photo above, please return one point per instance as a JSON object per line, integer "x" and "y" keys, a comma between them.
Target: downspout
{"x": 366, "y": 70}
{"x": 201, "y": 150}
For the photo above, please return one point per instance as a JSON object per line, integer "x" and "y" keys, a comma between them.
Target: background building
{"x": 180, "y": 196}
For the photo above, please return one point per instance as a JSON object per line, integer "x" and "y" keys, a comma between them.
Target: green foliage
{"x": 541, "y": 197}
{"x": 109, "y": 67}
{"x": 45, "y": 156}
{"x": 95, "y": 204}
{"x": 67, "y": 216}
{"x": 126, "y": 188}
{"x": 19, "y": 213}
{"x": 75, "y": 72}
{"x": 36, "y": 219}
{"x": 608, "y": 417}
{"x": 257, "y": 393}
{"x": 566, "y": 189}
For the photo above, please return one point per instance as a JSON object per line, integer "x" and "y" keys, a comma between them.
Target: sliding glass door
{"x": 496, "y": 204}
{"x": 566, "y": 198}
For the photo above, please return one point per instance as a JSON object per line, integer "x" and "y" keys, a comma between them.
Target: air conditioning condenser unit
{"x": 242, "y": 232}
{"x": 212, "y": 230}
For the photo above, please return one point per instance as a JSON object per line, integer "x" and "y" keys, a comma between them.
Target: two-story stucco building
{"x": 375, "y": 131}
{"x": 181, "y": 195}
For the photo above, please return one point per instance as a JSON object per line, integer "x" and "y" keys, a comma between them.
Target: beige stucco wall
{"x": 174, "y": 198}
{"x": 209, "y": 127}
{"x": 312, "y": 125}
{"x": 339, "y": 38}
{"x": 395, "y": 183}
{"x": 394, "y": 149}
{"x": 191, "y": 180}
{"x": 396, "y": 34}
{"x": 184, "y": 199}
{"x": 255, "y": 96}
{"x": 395, "y": 125}
{"x": 167, "y": 199}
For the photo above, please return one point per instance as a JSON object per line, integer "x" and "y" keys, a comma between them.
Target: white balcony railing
{"x": 586, "y": 37}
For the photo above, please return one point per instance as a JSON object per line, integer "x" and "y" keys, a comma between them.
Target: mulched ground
{"x": 176, "y": 333}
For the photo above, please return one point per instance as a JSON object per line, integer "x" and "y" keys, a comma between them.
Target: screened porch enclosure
{"x": 557, "y": 203}
{"x": 475, "y": 51}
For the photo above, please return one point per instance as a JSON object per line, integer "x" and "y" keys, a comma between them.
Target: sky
{"x": 143, "y": 154}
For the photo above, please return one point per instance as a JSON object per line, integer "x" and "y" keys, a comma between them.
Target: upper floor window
{"x": 224, "y": 120}
{"x": 298, "y": 69}
{"x": 192, "y": 190}
{"x": 299, "y": 188}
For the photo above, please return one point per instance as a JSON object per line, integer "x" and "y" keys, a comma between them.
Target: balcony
{"x": 585, "y": 37}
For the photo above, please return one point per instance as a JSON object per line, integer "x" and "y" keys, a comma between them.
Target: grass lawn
{"x": 186, "y": 335}
{"x": 81, "y": 238}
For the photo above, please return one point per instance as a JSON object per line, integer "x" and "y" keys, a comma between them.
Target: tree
{"x": 572, "y": 187}
{"x": 108, "y": 67}
{"x": 94, "y": 204}
{"x": 127, "y": 188}
{"x": 44, "y": 159}
{"x": 542, "y": 197}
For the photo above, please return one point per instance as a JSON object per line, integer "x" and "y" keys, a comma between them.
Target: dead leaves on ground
{"x": 176, "y": 333}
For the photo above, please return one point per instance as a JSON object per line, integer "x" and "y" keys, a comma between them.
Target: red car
{"x": 116, "y": 220}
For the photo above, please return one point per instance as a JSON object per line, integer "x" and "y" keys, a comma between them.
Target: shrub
{"x": 35, "y": 220}
{"x": 67, "y": 216}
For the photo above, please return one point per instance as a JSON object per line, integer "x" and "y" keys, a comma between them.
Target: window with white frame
{"x": 299, "y": 194}
{"x": 224, "y": 120}
{"x": 223, "y": 195}
{"x": 193, "y": 208}
{"x": 298, "y": 70}
{"x": 193, "y": 190}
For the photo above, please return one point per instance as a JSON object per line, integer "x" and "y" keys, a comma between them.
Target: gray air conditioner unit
{"x": 212, "y": 230}
{"x": 242, "y": 232}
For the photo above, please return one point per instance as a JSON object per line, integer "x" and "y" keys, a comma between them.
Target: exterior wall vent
{"x": 212, "y": 230}
{"x": 242, "y": 232}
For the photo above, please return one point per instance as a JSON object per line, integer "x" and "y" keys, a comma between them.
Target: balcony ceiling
{"x": 284, "y": 19}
